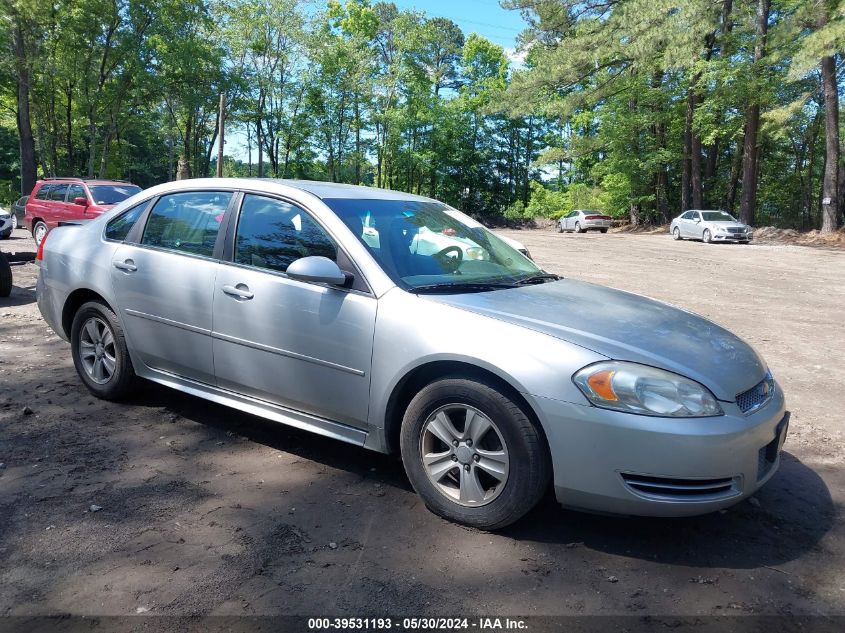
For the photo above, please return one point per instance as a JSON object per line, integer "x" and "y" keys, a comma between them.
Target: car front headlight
{"x": 644, "y": 390}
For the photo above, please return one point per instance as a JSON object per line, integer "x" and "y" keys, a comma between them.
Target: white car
{"x": 710, "y": 226}
{"x": 581, "y": 221}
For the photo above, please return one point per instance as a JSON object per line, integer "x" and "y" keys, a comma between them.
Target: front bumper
{"x": 732, "y": 237}
{"x": 607, "y": 461}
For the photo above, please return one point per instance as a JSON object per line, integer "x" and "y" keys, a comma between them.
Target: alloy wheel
{"x": 97, "y": 350}
{"x": 40, "y": 233}
{"x": 464, "y": 455}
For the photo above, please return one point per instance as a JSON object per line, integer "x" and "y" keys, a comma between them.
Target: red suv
{"x": 55, "y": 200}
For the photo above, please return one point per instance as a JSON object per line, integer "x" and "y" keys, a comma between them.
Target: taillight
{"x": 39, "y": 256}
{"x": 592, "y": 217}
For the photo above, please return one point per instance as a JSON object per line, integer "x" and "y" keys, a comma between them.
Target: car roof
{"x": 92, "y": 181}
{"x": 325, "y": 190}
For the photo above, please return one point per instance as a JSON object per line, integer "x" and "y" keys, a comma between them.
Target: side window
{"x": 688, "y": 215}
{"x": 76, "y": 191}
{"x": 118, "y": 228}
{"x": 43, "y": 192}
{"x": 271, "y": 234}
{"x": 187, "y": 222}
{"x": 57, "y": 193}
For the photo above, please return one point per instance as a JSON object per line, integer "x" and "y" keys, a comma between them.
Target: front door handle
{"x": 241, "y": 291}
{"x": 127, "y": 265}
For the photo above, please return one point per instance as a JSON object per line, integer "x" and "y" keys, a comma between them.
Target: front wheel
{"x": 559, "y": 227}
{"x": 676, "y": 234}
{"x": 39, "y": 232}
{"x": 472, "y": 454}
{"x": 14, "y": 222}
{"x": 707, "y": 237}
{"x": 99, "y": 352}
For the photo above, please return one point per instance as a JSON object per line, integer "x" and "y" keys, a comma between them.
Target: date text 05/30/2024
{"x": 416, "y": 624}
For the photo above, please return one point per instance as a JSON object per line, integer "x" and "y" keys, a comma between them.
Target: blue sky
{"x": 484, "y": 17}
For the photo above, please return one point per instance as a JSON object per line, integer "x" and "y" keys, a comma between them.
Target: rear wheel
{"x": 99, "y": 352}
{"x": 603, "y": 230}
{"x": 707, "y": 237}
{"x": 578, "y": 228}
{"x": 472, "y": 454}
{"x": 39, "y": 232}
{"x": 559, "y": 227}
{"x": 14, "y": 222}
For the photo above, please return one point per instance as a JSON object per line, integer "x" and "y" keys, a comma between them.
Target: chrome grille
{"x": 671, "y": 488}
{"x": 757, "y": 396}
{"x": 735, "y": 230}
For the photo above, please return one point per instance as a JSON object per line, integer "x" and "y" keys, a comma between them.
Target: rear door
{"x": 163, "y": 277}
{"x": 305, "y": 346}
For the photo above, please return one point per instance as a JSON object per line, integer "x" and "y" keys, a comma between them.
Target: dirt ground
{"x": 166, "y": 504}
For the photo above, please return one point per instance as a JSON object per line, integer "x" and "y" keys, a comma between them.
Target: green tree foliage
{"x": 639, "y": 108}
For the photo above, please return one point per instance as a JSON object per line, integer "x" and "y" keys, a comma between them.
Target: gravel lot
{"x": 166, "y": 504}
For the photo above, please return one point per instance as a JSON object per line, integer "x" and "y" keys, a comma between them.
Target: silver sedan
{"x": 709, "y": 227}
{"x": 581, "y": 221}
{"x": 313, "y": 305}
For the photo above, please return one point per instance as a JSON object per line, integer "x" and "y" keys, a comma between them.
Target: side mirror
{"x": 82, "y": 202}
{"x": 316, "y": 269}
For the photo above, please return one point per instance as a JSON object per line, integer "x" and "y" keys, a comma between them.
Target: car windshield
{"x": 112, "y": 194}
{"x": 428, "y": 246}
{"x": 717, "y": 216}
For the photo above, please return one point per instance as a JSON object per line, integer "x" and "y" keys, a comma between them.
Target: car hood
{"x": 625, "y": 326}
{"x": 723, "y": 224}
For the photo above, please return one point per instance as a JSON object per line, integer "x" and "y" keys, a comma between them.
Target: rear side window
{"x": 187, "y": 222}
{"x": 58, "y": 192}
{"x": 43, "y": 192}
{"x": 272, "y": 234}
{"x": 118, "y": 228}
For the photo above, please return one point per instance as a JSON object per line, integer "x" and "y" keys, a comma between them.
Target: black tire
{"x": 5, "y": 235}
{"x": 706, "y": 238}
{"x": 578, "y": 228}
{"x": 37, "y": 230}
{"x": 603, "y": 230}
{"x": 676, "y": 234}
{"x": 14, "y": 222}
{"x": 122, "y": 380}
{"x": 529, "y": 470}
{"x": 559, "y": 227}
{"x": 5, "y": 276}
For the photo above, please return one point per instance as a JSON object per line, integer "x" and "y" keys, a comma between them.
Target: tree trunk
{"x": 748, "y": 201}
{"x": 26, "y": 140}
{"x": 830, "y": 188}
{"x": 69, "y": 117}
{"x": 183, "y": 169}
{"x": 686, "y": 176}
{"x": 696, "y": 188}
{"x": 733, "y": 181}
{"x": 221, "y": 125}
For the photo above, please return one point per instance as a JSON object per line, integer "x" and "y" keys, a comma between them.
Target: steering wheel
{"x": 448, "y": 262}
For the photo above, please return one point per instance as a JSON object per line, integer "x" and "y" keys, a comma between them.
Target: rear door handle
{"x": 241, "y": 291}
{"x": 126, "y": 265}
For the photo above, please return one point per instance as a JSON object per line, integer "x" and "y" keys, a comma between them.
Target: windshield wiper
{"x": 461, "y": 287}
{"x": 539, "y": 278}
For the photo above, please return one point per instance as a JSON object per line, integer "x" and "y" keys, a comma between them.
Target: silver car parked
{"x": 710, "y": 226}
{"x": 581, "y": 221}
{"x": 305, "y": 303}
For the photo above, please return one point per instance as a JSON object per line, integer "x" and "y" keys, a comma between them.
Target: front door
{"x": 305, "y": 346}
{"x": 164, "y": 284}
